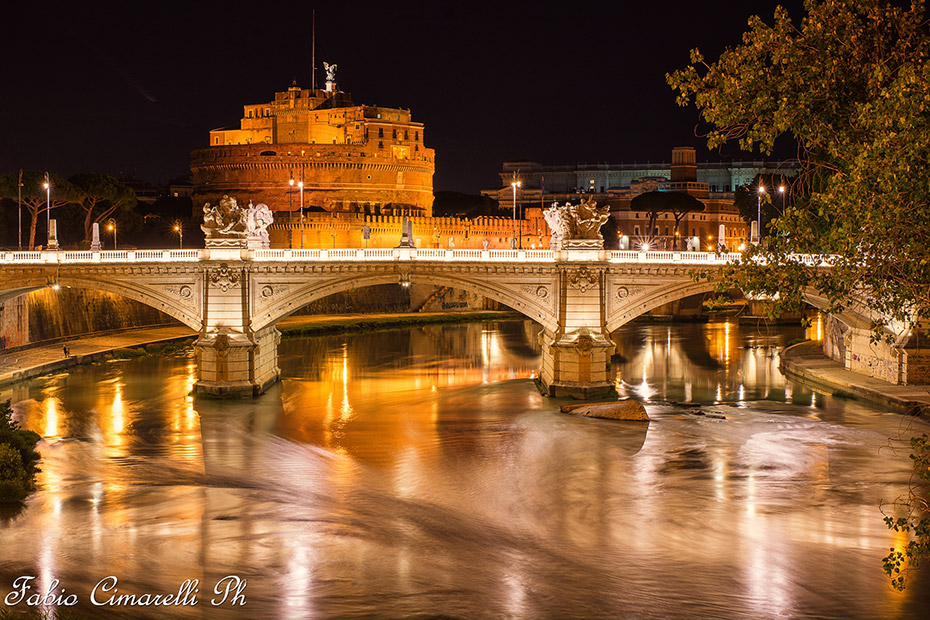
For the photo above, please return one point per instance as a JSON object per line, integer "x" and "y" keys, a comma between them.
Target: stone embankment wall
{"x": 47, "y": 315}
{"x": 901, "y": 365}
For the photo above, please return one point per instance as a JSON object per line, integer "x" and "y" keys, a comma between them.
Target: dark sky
{"x": 135, "y": 86}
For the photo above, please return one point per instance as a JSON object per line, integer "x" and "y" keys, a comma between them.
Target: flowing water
{"x": 419, "y": 474}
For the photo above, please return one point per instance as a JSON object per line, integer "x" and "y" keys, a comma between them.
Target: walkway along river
{"x": 418, "y": 473}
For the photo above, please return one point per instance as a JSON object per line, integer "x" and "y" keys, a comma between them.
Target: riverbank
{"x": 806, "y": 362}
{"x": 24, "y": 364}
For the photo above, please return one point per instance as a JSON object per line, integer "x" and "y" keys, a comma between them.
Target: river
{"x": 419, "y": 474}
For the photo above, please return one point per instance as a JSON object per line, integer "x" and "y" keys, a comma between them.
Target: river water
{"x": 418, "y": 474}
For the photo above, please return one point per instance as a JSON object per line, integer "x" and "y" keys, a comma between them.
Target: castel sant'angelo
{"x": 357, "y": 170}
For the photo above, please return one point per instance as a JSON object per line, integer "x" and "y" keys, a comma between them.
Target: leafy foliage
{"x": 18, "y": 458}
{"x": 899, "y": 562}
{"x": 101, "y": 197}
{"x": 850, "y": 84}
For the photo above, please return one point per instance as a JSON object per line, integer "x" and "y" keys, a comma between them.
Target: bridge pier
{"x": 576, "y": 357}
{"x": 237, "y": 364}
{"x": 576, "y": 365}
{"x": 232, "y": 359}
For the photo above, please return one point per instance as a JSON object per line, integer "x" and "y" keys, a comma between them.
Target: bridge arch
{"x": 127, "y": 288}
{"x": 527, "y": 303}
{"x": 653, "y": 298}
{"x": 853, "y": 316}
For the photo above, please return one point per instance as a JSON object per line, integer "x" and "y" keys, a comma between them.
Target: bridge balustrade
{"x": 381, "y": 254}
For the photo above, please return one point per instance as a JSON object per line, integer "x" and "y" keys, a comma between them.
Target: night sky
{"x": 117, "y": 88}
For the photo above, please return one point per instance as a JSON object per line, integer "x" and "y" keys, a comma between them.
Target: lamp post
{"x": 111, "y": 226}
{"x": 513, "y": 241}
{"x": 48, "y": 209}
{"x": 759, "y": 193}
{"x": 290, "y": 214}
{"x": 300, "y": 184}
{"x": 19, "y": 231}
{"x": 178, "y": 228}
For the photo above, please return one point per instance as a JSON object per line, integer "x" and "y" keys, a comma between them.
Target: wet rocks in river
{"x": 617, "y": 410}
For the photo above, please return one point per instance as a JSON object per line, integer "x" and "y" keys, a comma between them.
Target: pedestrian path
{"x": 807, "y": 362}
{"x": 19, "y": 365}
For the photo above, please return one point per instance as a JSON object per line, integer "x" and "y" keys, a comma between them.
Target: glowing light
{"x": 51, "y": 417}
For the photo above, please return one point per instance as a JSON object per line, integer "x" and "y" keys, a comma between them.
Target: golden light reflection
{"x": 51, "y": 417}
{"x": 118, "y": 410}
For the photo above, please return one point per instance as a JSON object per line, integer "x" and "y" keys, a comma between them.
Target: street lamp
{"x": 513, "y": 241}
{"x": 179, "y": 228}
{"x": 48, "y": 209}
{"x": 19, "y": 236}
{"x": 300, "y": 184}
{"x": 111, "y": 226}
{"x": 760, "y": 191}
{"x": 290, "y": 214}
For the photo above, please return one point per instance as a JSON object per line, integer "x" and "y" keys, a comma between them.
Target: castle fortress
{"x": 363, "y": 169}
{"x": 350, "y": 158}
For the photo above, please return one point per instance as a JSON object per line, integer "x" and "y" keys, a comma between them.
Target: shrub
{"x": 18, "y": 458}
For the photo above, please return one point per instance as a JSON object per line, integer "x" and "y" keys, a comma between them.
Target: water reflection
{"x": 418, "y": 473}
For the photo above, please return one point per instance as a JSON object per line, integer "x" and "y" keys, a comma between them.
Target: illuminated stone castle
{"x": 350, "y": 158}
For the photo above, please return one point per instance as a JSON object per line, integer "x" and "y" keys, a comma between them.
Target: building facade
{"x": 617, "y": 185}
{"x": 349, "y": 158}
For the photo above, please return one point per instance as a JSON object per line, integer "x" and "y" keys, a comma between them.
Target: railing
{"x": 380, "y": 254}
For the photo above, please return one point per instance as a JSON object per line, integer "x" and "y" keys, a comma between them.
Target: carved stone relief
{"x": 224, "y": 278}
{"x": 583, "y": 279}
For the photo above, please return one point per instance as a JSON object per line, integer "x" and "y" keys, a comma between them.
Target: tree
{"x": 18, "y": 458}
{"x": 774, "y": 198}
{"x": 850, "y": 84}
{"x": 34, "y": 195}
{"x": 678, "y": 204}
{"x": 102, "y": 196}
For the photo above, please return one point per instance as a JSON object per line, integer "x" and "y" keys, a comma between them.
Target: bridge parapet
{"x": 368, "y": 254}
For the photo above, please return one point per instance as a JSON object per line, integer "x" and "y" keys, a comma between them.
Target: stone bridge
{"x": 234, "y": 297}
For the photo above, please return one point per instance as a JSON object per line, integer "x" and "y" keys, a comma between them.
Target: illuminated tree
{"x": 850, "y": 84}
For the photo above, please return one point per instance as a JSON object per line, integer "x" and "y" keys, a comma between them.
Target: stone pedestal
{"x": 233, "y": 360}
{"x": 53, "y": 234}
{"x": 237, "y": 364}
{"x": 576, "y": 364}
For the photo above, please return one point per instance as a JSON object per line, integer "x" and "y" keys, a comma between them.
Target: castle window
{"x": 380, "y": 145}
{"x": 250, "y": 113}
{"x": 394, "y": 134}
{"x": 380, "y": 132}
{"x": 416, "y": 136}
{"x": 216, "y": 140}
{"x": 405, "y": 135}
